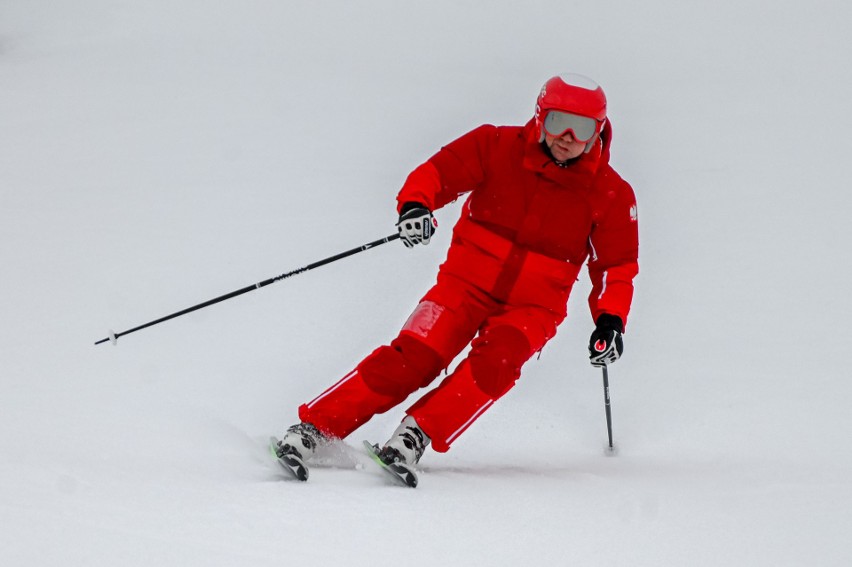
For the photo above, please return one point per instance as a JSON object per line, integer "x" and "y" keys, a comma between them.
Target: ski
{"x": 294, "y": 466}
{"x": 400, "y": 473}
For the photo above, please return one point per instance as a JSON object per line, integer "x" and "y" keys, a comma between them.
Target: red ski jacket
{"x": 529, "y": 224}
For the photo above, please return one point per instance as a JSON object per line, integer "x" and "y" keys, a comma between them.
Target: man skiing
{"x": 542, "y": 200}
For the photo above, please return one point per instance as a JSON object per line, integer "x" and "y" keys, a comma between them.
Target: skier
{"x": 542, "y": 199}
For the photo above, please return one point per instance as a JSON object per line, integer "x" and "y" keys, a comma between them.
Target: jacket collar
{"x": 538, "y": 160}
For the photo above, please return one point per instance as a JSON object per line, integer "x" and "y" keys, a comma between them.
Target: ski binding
{"x": 400, "y": 473}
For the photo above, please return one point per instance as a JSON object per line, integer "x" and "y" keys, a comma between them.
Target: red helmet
{"x": 571, "y": 93}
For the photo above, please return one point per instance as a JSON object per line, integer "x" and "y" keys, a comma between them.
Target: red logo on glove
{"x": 600, "y": 346}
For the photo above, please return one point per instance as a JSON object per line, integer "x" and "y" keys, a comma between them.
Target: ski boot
{"x": 402, "y": 451}
{"x": 296, "y": 447}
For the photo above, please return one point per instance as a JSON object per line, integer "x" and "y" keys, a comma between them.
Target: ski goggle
{"x": 556, "y": 123}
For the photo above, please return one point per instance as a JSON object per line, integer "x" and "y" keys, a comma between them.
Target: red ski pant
{"x": 451, "y": 315}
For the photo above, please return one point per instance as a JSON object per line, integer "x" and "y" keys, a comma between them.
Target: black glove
{"x": 605, "y": 344}
{"x": 416, "y": 224}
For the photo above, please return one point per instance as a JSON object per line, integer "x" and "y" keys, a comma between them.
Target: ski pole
{"x": 607, "y": 405}
{"x": 113, "y": 337}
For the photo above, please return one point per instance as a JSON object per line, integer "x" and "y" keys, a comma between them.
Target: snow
{"x": 154, "y": 155}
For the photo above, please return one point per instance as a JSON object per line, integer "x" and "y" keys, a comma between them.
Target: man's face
{"x": 564, "y": 147}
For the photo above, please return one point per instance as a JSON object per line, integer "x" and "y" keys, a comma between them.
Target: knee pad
{"x": 399, "y": 369}
{"x": 496, "y": 358}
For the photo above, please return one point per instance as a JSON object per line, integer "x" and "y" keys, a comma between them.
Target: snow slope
{"x": 156, "y": 154}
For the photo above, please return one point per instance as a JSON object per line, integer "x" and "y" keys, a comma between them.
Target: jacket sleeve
{"x": 459, "y": 167}
{"x": 614, "y": 256}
